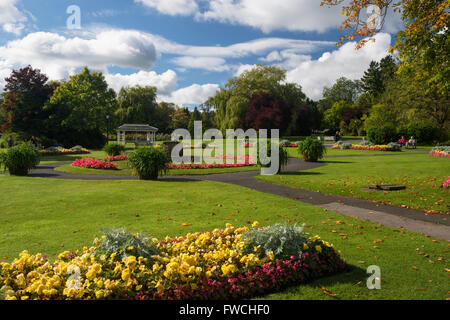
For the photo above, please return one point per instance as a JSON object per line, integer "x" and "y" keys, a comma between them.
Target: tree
{"x": 180, "y": 119}
{"x": 26, "y": 91}
{"x": 423, "y": 41}
{"x": 266, "y": 112}
{"x": 195, "y": 116}
{"x": 232, "y": 102}
{"x": 306, "y": 118}
{"x": 78, "y": 110}
{"x": 333, "y": 116}
{"x": 343, "y": 90}
{"x": 162, "y": 117}
{"x": 378, "y": 75}
{"x": 137, "y": 105}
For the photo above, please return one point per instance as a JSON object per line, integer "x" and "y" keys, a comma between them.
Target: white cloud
{"x": 172, "y": 7}
{"x": 269, "y": 15}
{"x": 314, "y": 75}
{"x": 194, "y": 94}
{"x": 165, "y": 82}
{"x": 206, "y": 63}
{"x": 11, "y": 19}
{"x": 59, "y": 56}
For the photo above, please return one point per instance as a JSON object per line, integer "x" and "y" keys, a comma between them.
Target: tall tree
{"x": 137, "y": 105}
{"x": 78, "y": 109}
{"x": 180, "y": 119}
{"x": 378, "y": 75}
{"x": 195, "y": 116}
{"x": 26, "y": 92}
{"x": 342, "y": 90}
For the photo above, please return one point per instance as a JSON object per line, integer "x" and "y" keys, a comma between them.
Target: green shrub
{"x": 312, "y": 149}
{"x": 284, "y": 240}
{"x": 148, "y": 162}
{"x": 423, "y": 133}
{"x": 382, "y": 134}
{"x": 114, "y": 149}
{"x": 346, "y": 146}
{"x": 125, "y": 244}
{"x": 283, "y": 156}
{"x": 19, "y": 160}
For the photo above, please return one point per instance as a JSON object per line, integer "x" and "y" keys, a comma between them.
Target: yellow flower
{"x": 99, "y": 294}
{"x": 125, "y": 274}
{"x": 194, "y": 286}
{"x": 305, "y": 246}
{"x": 130, "y": 262}
{"x": 319, "y": 249}
{"x": 255, "y": 224}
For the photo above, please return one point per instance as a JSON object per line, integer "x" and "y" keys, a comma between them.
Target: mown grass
{"x": 422, "y": 175}
{"x": 51, "y": 216}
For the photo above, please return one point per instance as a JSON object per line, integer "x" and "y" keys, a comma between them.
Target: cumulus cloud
{"x": 172, "y": 7}
{"x": 59, "y": 56}
{"x": 165, "y": 82}
{"x": 194, "y": 94}
{"x": 347, "y": 62}
{"x": 11, "y": 19}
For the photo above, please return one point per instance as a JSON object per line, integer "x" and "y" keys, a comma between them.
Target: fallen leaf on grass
{"x": 186, "y": 224}
{"x": 324, "y": 290}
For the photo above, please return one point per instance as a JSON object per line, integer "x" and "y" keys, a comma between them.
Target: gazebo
{"x": 136, "y": 128}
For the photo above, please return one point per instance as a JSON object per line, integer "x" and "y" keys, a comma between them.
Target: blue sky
{"x": 188, "y": 49}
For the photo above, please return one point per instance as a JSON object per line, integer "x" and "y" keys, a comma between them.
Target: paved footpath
{"x": 435, "y": 225}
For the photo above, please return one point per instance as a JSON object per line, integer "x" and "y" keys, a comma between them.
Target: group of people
{"x": 337, "y": 136}
{"x": 410, "y": 143}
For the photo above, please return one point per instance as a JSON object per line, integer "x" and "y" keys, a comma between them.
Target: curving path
{"x": 435, "y": 225}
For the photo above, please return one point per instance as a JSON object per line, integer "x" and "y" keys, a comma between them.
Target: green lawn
{"x": 294, "y": 153}
{"x": 423, "y": 175}
{"x": 51, "y": 216}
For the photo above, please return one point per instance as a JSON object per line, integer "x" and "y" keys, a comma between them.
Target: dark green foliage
{"x": 148, "y": 162}
{"x": 382, "y": 134}
{"x": 422, "y": 132}
{"x": 114, "y": 149}
{"x": 312, "y": 149}
{"x": 19, "y": 160}
{"x": 125, "y": 244}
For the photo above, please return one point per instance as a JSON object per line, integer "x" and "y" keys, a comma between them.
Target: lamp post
{"x": 107, "y": 127}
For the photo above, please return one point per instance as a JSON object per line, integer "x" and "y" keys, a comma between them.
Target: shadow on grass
{"x": 354, "y": 275}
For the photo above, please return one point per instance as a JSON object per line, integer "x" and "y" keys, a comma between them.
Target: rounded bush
{"x": 382, "y": 134}
{"x": 149, "y": 162}
{"x": 266, "y": 155}
{"x": 114, "y": 149}
{"x": 312, "y": 149}
{"x": 19, "y": 160}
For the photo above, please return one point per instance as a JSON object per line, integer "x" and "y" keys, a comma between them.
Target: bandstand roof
{"x": 137, "y": 128}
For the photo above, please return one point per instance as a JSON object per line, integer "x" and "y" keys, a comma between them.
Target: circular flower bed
{"x": 222, "y": 264}
{"x": 91, "y": 163}
{"x": 239, "y": 161}
{"x": 442, "y": 152}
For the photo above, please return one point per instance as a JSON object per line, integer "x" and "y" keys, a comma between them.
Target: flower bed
{"x": 239, "y": 161}
{"x": 116, "y": 158}
{"x": 371, "y": 148}
{"x": 91, "y": 163}
{"x": 208, "y": 265}
{"x": 62, "y": 152}
{"x": 442, "y": 152}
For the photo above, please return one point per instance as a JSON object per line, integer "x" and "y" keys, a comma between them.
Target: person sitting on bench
{"x": 402, "y": 141}
{"x": 411, "y": 143}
